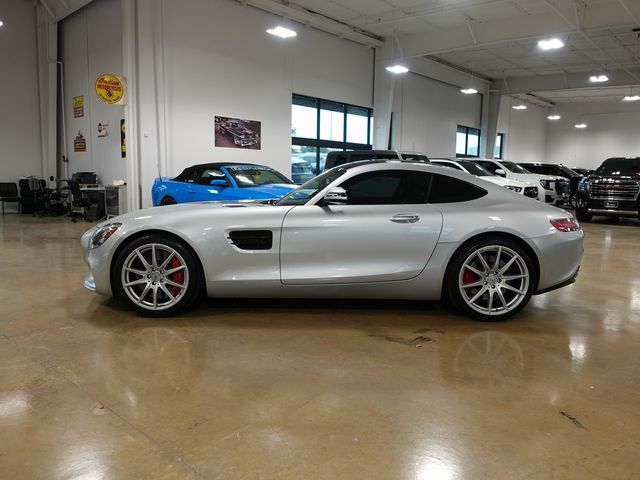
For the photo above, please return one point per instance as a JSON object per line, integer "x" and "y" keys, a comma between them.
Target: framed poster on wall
{"x": 237, "y": 133}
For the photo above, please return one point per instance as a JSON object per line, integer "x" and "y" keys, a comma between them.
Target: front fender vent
{"x": 252, "y": 239}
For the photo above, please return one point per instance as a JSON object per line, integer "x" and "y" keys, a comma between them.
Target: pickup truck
{"x": 612, "y": 190}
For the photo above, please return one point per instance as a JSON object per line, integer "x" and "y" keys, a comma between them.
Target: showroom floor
{"x": 315, "y": 390}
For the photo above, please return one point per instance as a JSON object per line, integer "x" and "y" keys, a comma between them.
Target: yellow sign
{"x": 110, "y": 89}
{"x": 78, "y": 106}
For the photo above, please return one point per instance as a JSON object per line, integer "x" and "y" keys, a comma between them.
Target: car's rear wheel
{"x": 491, "y": 278}
{"x": 157, "y": 276}
{"x": 168, "y": 201}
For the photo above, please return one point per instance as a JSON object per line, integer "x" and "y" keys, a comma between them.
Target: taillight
{"x": 566, "y": 224}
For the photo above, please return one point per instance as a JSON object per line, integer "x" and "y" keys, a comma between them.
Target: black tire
{"x": 192, "y": 277}
{"x": 514, "y": 302}
{"x": 583, "y": 215}
{"x": 168, "y": 201}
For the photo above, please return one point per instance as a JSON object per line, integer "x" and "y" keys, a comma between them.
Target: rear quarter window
{"x": 446, "y": 189}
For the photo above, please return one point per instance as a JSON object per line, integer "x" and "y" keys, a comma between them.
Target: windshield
{"x": 567, "y": 172}
{"x": 514, "y": 167}
{"x": 475, "y": 169}
{"x": 253, "y": 175}
{"x": 620, "y": 166}
{"x": 308, "y": 190}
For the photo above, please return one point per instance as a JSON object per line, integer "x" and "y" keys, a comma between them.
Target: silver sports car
{"x": 375, "y": 229}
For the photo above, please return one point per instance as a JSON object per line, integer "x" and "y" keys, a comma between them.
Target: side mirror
{"x": 501, "y": 172}
{"x": 219, "y": 183}
{"x": 336, "y": 196}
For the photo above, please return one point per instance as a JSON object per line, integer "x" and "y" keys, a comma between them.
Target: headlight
{"x": 546, "y": 184}
{"x": 102, "y": 234}
{"x": 514, "y": 189}
{"x": 583, "y": 185}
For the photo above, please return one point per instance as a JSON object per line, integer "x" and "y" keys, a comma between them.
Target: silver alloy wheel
{"x": 155, "y": 276}
{"x": 493, "y": 280}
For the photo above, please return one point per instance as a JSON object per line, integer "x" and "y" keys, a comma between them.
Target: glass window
{"x": 331, "y": 121}
{"x": 497, "y": 151}
{"x": 322, "y": 126}
{"x": 490, "y": 166}
{"x": 304, "y": 121}
{"x": 446, "y": 189}
{"x": 388, "y": 188}
{"x": 473, "y": 142}
{"x": 357, "y": 121}
{"x": 467, "y": 142}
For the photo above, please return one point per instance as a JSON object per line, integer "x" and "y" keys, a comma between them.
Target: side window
{"x": 445, "y": 189}
{"x": 492, "y": 167}
{"x": 388, "y": 188}
{"x": 194, "y": 175}
{"x": 206, "y": 176}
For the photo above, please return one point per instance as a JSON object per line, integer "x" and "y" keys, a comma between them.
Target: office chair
{"x": 79, "y": 204}
{"x": 9, "y": 193}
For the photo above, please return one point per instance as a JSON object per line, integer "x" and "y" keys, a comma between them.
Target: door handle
{"x": 405, "y": 218}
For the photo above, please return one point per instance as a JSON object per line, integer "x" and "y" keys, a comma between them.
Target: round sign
{"x": 109, "y": 88}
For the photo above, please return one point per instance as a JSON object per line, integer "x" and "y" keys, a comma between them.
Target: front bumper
{"x": 613, "y": 207}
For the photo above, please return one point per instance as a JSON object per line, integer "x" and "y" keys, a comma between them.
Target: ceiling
{"x": 498, "y": 38}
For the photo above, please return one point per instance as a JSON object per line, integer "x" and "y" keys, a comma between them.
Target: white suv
{"x": 481, "y": 172}
{"x": 514, "y": 171}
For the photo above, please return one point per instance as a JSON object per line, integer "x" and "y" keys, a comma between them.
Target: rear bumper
{"x": 560, "y": 255}
{"x": 564, "y": 283}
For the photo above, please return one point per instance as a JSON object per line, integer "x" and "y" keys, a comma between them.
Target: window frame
{"x": 467, "y": 131}
{"x": 319, "y": 143}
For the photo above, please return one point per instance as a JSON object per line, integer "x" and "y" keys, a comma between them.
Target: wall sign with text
{"x": 110, "y": 89}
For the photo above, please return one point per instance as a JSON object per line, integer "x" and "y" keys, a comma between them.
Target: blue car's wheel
{"x": 168, "y": 201}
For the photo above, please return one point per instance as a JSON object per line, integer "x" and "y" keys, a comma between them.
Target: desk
{"x": 112, "y": 199}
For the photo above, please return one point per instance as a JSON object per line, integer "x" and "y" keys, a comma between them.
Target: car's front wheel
{"x": 491, "y": 278}
{"x": 157, "y": 276}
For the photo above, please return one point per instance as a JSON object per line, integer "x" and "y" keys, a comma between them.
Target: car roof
{"x": 217, "y": 165}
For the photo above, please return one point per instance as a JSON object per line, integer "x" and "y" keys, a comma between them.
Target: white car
{"x": 514, "y": 171}
{"x": 481, "y": 172}
{"x": 373, "y": 229}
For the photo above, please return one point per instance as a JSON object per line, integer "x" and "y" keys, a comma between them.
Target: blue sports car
{"x": 222, "y": 182}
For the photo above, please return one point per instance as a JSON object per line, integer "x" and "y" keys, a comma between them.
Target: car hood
{"x": 504, "y": 182}
{"x": 531, "y": 178}
{"x": 272, "y": 190}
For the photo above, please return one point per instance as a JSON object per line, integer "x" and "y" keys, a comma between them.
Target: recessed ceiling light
{"x": 550, "y": 44}
{"x": 519, "y": 107}
{"x": 1, "y": 23}
{"x": 397, "y": 69}
{"x": 598, "y": 78}
{"x": 469, "y": 91}
{"x": 580, "y": 125}
{"x": 631, "y": 98}
{"x": 282, "y": 32}
{"x": 554, "y": 117}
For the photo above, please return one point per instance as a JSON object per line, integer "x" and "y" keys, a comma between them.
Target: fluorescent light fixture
{"x": 282, "y": 32}
{"x": 554, "y": 117}
{"x": 550, "y": 44}
{"x": 580, "y": 125}
{"x": 598, "y": 78}
{"x": 631, "y": 98}
{"x": 469, "y": 91}
{"x": 397, "y": 69}
{"x": 519, "y": 107}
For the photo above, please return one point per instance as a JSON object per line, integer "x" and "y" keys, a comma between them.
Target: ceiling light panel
{"x": 282, "y": 32}
{"x": 397, "y": 69}
{"x": 550, "y": 44}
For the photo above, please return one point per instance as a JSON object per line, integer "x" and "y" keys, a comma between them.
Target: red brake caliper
{"x": 177, "y": 277}
{"x": 468, "y": 277}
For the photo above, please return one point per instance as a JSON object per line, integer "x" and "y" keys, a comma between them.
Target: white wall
{"x": 613, "y": 130}
{"x": 427, "y": 113}
{"x": 91, "y": 45}
{"x": 525, "y": 131}
{"x": 201, "y": 58}
{"x": 20, "y": 146}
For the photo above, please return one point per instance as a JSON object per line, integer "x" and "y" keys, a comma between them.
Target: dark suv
{"x": 612, "y": 190}
{"x": 566, "y": 190}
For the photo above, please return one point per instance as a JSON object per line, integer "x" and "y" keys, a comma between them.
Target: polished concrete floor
{"x": 315, "y": 390}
